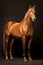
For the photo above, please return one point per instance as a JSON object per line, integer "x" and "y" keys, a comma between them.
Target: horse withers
{"x": 19, "y": 29}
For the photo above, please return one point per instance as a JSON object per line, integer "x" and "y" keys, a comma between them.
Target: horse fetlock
{"x": 6, "y": 57}
{"x": 11, "y": 57}
{"x": 25, "y": 59}
{"x": 29, "y": 58}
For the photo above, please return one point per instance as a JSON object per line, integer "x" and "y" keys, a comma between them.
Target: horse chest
{"x": 23, "y": 29}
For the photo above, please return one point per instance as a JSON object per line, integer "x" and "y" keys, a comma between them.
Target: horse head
{"x": 32, "y": 13}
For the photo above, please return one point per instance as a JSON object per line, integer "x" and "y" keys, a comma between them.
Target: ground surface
{"x": 19, "y": 61}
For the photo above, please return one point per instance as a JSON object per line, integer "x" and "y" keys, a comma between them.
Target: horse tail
{"x": 7, "y": 27}
{"x": 4, "y": 40}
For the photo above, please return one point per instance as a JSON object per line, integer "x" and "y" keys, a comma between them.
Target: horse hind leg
{"x": 11, "y": 57}
{"x": 6, "y": 47}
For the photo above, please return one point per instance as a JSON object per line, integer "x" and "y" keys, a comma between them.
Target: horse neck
{"x": 27, "y": 21}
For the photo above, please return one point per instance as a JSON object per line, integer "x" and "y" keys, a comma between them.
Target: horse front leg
{"x": 29, "y": 55}
{"x": 11, "y": 57}
{"x": 23, "y": 43}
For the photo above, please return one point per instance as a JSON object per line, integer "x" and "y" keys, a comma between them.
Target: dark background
{"x": 15, "y": 10}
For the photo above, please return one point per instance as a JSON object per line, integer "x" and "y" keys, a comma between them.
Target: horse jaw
{"x": 33, "y": 19}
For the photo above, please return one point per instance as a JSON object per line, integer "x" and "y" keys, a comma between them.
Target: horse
{"x": 20, "y": 29}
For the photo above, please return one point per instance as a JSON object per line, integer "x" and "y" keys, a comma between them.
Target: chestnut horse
{"x": 19, "y": 29}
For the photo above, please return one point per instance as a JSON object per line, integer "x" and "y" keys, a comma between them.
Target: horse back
{"x": 7, "y": 27}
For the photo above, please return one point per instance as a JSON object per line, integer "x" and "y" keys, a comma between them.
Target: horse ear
{"x": 34, "y": 6}
{"x": 29, "y": 6}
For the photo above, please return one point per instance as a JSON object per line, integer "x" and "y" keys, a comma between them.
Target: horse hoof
{"x": 30, "y": 59}
{"x": 11, "y": 58}
{"x": 6, "y": 58}
{"x": 25, "y": 59}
